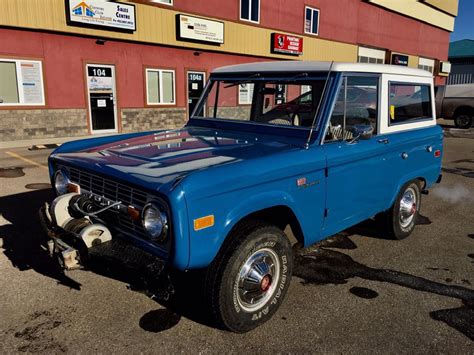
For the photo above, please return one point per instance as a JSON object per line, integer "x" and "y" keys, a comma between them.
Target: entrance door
{"x": 102, "y": 98}
{"x": 196, "y": 82}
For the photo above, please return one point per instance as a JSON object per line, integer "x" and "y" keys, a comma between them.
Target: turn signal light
{"x": 437, "y": 153}
{"x": 71, "y": 187}
{"x": 133, "y": 213}
{"x": 203, "y": 222}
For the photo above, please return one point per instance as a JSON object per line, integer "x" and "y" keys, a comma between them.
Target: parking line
{"x": 26, "y": 160}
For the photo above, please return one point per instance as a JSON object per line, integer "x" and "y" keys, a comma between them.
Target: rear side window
{"x": 409, "y": 103}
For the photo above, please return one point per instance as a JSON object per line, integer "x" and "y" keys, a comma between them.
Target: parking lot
{"x": 356, "y": 292}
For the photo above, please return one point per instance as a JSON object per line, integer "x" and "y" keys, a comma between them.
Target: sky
{"x": 464, "y": 23}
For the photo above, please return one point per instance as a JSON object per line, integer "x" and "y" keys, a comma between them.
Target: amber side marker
{"x": 74, "y": 188}
{"x": 133, "y": 213}
{"x": 204, "y": 222}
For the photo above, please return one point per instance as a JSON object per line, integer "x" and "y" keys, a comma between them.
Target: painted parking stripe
{"x": 26, "y": 160}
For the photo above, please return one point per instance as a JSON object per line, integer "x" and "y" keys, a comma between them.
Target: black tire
{"x": 228, "y": 304}
{"x": 395, "y": 224}
{"x": 463, "y": 119}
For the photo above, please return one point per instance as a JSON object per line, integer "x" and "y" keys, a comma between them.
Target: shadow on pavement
{"x": 315, "y": 265}
{"x": 319, "y": 265}
{"x": 22, "y": 238}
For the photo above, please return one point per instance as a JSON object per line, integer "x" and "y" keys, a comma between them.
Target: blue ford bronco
{"x": 315, "y": 146}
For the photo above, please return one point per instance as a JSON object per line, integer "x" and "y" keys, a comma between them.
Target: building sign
{"x": 400, "y": 59}
{"x": 444, "y": 68}
{"x": 100, "y": 79}
{"x": 97, "y": 13}
{"x": 286, "y": 44}
{"x": 31, "y": 81}
{"x": 198, "y": 29}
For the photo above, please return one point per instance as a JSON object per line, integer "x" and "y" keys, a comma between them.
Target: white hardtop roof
{"x": 307, "y": 66}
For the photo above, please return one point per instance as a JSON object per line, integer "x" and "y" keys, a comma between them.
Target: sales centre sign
{"x": 99, "y": 13}
{"x": 286, "y": 44}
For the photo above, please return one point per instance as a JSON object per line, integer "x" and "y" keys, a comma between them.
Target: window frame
{"x": 340, "y": 84}
{"x": 416, "y": 119}
{"x": 162, "y": 2}
{"x": 160, "y": 85}
{"x": 385, "y": 128}
{"x": 250, "y": 12}
{"x": 19, "y": 82}
{"x": 312, "y": 19}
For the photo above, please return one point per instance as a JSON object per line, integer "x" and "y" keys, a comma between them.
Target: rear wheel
{"x": 400, "y": 220}
{"x": 463, "y": 120}
{"x": 249, "y": 279}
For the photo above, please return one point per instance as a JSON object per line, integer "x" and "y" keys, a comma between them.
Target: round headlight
{"x": 155, "y": 221}
{"x": 61, "y": 182}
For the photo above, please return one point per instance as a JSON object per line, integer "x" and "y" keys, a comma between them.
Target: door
{"x": 357, "y": 169}
{"x": 101, "y": 92}
{"x": 196, "y": 82}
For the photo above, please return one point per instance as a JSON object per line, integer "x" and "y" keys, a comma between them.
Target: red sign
{"x": 287, "y": 44}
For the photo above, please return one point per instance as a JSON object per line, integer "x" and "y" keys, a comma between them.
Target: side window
{"x": 356, "y": 108}
{"x": 409, "y": 103}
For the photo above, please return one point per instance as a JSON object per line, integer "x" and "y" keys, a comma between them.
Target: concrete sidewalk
{"x": 29, "y": 142}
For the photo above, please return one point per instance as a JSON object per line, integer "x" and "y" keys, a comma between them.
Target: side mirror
{"x": 362, "y": 132}
{"x": 267, "y": 102}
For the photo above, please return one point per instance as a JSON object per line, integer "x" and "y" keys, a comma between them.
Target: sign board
{"x": 444, "y": 68}
{"x": 197, "y": 29}
{"x": 100, "y": 79}
{"x": 100, "y": 14}
{"x": 286, "y": 44}
{"x": 400, "y": 59}
{"x": 31, "y": 79}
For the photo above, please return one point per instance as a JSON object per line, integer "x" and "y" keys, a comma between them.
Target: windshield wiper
{"x": 300, "y": 75}
{"x": 244, "y": 81}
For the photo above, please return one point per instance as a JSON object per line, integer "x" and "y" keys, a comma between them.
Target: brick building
{"x": 85, "y": 67}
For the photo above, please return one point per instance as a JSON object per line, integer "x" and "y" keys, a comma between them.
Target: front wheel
{"x": 400, "y": 220}
{"x": 249, "y": 279}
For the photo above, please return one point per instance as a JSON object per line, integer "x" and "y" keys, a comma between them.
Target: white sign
{"x": 102, "y": 13}
{"x": 445, "y": 67}
{"x": 101, "y": 103}
{"x": 200, "y": 29}
{"x": 31, "y": 82}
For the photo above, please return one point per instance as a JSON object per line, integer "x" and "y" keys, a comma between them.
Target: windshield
{"x": 281, "y": 101}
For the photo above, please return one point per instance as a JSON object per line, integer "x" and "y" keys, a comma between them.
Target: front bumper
{"x": 71, "y": 253}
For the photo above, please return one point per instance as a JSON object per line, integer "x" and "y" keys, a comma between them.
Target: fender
{"x": 205, "y": 244}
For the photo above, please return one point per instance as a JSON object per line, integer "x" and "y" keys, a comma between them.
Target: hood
{"x": 162, "y": 157}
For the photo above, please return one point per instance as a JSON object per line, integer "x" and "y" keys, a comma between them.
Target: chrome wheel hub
{"x": 257, "y": 279}
{"x": 408, "y": 207}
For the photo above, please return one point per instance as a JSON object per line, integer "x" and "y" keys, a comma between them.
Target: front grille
{"x": 114, "y": 191}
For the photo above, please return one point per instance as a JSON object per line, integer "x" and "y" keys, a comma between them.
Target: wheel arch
{"x": 463, "y": 108}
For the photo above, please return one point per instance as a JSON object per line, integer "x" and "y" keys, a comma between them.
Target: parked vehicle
{"x": 219, "y": 192}
{"x": 456, "y": 102}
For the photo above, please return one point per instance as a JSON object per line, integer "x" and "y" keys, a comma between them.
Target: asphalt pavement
{"x": 355, "y": 293}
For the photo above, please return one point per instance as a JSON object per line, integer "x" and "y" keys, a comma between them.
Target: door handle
{"x": 383, "y": 140}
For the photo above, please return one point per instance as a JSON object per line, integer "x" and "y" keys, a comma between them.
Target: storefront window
{"x": 371, "y": 55}
{"x": 311, "y": 24}
{"x": 426, "y": 64}
{"x": 21, "y": 83}
{"x": 160, "y": 87}
{"x": 250, "y": 10}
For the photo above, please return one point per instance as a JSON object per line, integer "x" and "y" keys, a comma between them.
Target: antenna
{"x": 306, "y": 145}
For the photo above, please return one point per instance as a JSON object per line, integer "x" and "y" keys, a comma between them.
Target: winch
{"x": 70, "y": 216}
